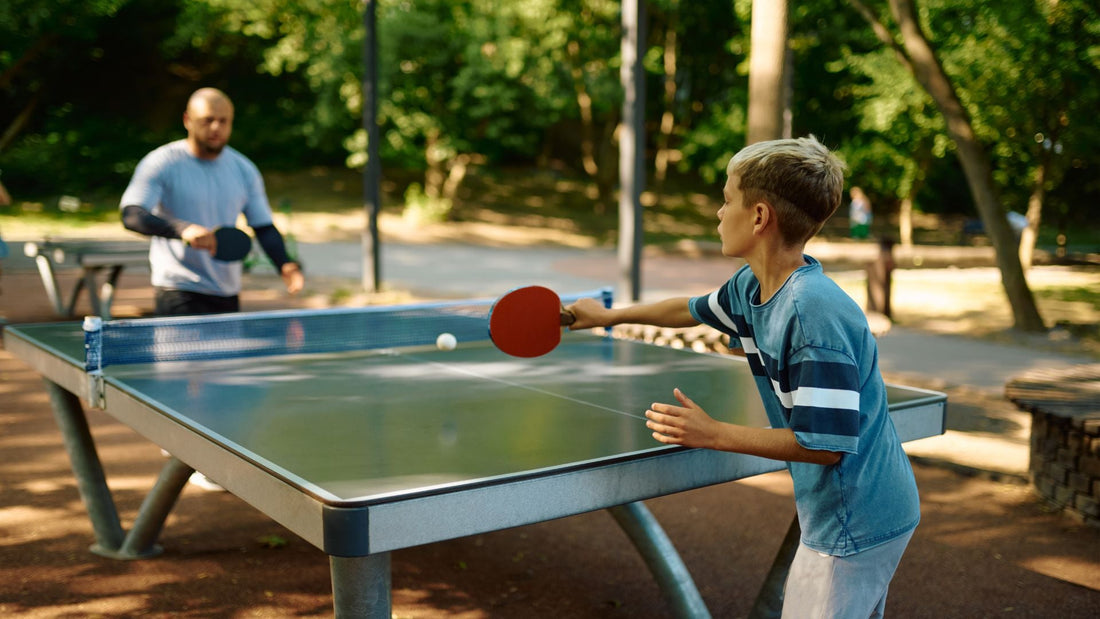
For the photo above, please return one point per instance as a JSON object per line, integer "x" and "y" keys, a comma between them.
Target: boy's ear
{"x": 761, "y": 216}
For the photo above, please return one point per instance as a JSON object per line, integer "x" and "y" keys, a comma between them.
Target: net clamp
{"x": 96, "y": 390}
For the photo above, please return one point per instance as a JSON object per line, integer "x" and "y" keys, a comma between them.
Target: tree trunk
{"x": 434, "y": 176}
{"x": 905, "y": 221}
{"x": 16, "y": 125}
{"x": 456, "y": 173}
{"x": 975, "y": 163}
{"x": 668, "y": 119}
{"x": 911, "y": 182}
{"x": 584, "y": 105}
{"x": 767, "y": 65}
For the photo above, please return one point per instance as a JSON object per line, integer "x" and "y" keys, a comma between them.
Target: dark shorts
{"x": 183, "y": 303}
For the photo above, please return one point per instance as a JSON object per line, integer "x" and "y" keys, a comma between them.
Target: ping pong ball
{"x": 446, "y": 341}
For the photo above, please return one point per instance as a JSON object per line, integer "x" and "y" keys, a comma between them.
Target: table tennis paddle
{"x": 232, "y": 244}
{"x": 527, "y": 321}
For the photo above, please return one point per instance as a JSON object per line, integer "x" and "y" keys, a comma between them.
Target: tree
{"x": 768, "y": 64}
{"x": 1040, "y": 112}
{"x": 919, "y": 58}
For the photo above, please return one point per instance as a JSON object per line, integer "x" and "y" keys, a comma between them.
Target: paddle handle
{"x": 567, "y": 317}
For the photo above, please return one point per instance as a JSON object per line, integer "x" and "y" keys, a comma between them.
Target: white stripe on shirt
{"x": 720, "y": 313}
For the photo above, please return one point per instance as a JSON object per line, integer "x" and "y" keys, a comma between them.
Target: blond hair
{"x": 800, "y": 178}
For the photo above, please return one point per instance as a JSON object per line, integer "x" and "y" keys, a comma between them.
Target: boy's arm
{"x": 690, "y": 426}
{"x": 668, "y": 313}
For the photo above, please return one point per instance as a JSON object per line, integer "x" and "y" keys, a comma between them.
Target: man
{"x": 181, "y": 193}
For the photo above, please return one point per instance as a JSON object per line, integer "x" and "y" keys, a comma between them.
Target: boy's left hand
{"x": 687, "y": 425}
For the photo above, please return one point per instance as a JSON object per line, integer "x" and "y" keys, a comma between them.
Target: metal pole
{"x": 141, "y": 541}
{"x": 372, "y": 171}
{"x": 361, "y": 586}
{"x": 660, "y": 555}
{"x": 769, "y": 602}
{"x": 90, "y": 480}
{"x": 632, "y": 150}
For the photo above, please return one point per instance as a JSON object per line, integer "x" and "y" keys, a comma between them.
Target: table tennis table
{"x": 349, "y": 428}
{"x": 95, "y": 259}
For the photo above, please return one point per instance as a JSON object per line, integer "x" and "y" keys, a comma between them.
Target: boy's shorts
{"x": 821, "y": 585}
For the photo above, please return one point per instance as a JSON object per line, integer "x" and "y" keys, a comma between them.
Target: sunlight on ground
{"x": 972, "y": 301}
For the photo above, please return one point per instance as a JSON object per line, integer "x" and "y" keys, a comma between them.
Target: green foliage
{"x": 423, "y": 209}
{"x": 87, "y": 88}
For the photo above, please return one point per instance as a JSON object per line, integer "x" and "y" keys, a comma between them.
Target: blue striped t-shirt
{"x": 815, "y": 363}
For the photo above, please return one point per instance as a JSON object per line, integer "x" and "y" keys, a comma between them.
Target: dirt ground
{"x": 985, "y": 548}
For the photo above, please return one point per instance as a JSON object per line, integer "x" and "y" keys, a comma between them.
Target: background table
{"x": 94, "y": 258}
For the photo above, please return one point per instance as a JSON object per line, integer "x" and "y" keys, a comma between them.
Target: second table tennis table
{"x": 95, "y": 259}
{"x": 365, "y": 451}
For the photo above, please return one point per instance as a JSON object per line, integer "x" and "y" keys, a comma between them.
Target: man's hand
{"x": 199, "y": 237}
{"x": 292, "y": 277}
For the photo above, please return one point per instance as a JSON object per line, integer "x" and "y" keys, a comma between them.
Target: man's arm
{"x": 272, "y": 243}
{"x": 140, "y": 220}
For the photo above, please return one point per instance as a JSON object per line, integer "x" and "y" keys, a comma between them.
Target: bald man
{"x": 183, "y": 191}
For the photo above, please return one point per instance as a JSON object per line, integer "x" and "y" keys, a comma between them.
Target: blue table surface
{"x": 363, "y": 426}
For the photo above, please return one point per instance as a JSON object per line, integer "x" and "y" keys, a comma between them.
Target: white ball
{"x": 446, "y": 341}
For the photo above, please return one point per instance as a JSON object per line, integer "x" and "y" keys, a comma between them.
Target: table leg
{"x": 111, "y": 541}
{"x": 107, "y": 291}
{"x": 88, "y": 284}
{"x": 769, "y": 602}
{"x": 660, "y": 555}
{"x": 90, "y": 480}
{"x": 141, "y": 541}
{"x": 361, "y": 586}
{"x": 49, "y": 280}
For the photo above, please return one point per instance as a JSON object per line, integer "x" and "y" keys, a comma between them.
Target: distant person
{"x": 815, "y": 365}
{"x": 1018, "y": 223}
{"x": 5, "y": 197}
{"x": 859, "y": 214}
{"x": 5, "y": 200}
{"x": 183, "y": 191}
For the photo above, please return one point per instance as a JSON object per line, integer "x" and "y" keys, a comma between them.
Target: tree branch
{"x": 882, "y": 33}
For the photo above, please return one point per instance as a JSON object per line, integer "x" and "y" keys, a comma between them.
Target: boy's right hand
{"x": 589, "y": 313}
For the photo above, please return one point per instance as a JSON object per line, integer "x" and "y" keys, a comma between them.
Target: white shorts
{"x": 852, "y": 587}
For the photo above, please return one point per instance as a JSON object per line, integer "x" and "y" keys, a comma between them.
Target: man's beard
{"x": 207, "y": 149}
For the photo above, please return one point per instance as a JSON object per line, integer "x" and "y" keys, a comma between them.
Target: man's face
{"x": 209, "y": 123}
{"x": 734, "y": 220}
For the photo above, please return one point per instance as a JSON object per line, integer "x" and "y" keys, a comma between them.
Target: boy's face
{"x": 734, "y": 220}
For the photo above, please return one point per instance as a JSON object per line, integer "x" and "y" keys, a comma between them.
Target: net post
{"x": 93, "y": 359}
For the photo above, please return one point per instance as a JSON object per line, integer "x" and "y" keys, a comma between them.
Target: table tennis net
{"x": 256, "y": 334}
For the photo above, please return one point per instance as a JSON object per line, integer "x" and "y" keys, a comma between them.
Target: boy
{"x": 815, "y": 364}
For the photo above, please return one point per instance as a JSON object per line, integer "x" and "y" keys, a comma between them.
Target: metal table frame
{"x": 359, "y": 538}
{"x": 95, "y": 259}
